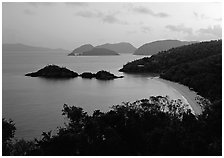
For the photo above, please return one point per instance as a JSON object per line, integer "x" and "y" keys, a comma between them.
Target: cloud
{"x": 180, "y": 28}
{"x": 200, "y": 16}
{"x": 131, "y": 32}
{"x": 218, "y": 19}
{"x": 144, "y": 10}
{"x": 89, "y": 14}
{"x": 77, "y": 4}
{"x": 205, "y": 34}
{"x": 196, "y": 14}
{"x": 112, "y": 19}
{"x": 106, "y": 18}
{"x": 145, "y": 29}
{"x": 205, "y": 17}
{"x": 37, "y": 4}
{"x": 29, "y": 12}
{"x": 215, "y": 30}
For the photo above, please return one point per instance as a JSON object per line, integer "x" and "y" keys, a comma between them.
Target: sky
{"x": 72, "y": 24}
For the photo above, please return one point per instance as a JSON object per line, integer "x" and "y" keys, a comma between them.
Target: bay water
{"x": 35, "y": 104}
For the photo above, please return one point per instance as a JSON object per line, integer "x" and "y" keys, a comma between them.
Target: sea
{"x": 35, "y": 104}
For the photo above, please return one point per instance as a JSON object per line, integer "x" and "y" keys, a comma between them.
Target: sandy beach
{"x": 187, "y": 94}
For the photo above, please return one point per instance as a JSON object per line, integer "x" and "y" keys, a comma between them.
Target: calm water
{"x": 35, "y": 104}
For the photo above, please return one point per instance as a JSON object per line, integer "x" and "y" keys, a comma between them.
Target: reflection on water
{"x": 35, "y": 104}
{"x": 142, "y": 75}
{"x": 54, "y": 80}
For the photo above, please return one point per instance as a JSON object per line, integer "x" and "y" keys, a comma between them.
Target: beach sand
{"x": 187, "y": 94}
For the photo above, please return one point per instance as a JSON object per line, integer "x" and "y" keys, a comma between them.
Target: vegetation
{"x": 87, "y": 75}
{"x": 204, "y": 76}
{"x": 100, "y": 75}
{"x": 53, "y": 71}
{"x": 199, "y": 66}
{"x": 121, "y": 48}
{"x": 8, "y": 132}
{"x": 154, "y": 126}
{"x": 108, "y": 49}
{"x": 81, "y": 49}
{"x": 164, "y": 60}
{"x": 98, "y": 52}
{"x": 104, "y": 75}
{"x": 158, "y": 46}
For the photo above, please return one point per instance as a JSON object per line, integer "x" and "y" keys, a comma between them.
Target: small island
{"x": 53, "y": 71}
{"x": 88, "y": 75}
{"x": 100, "y": 75}
{"x": 104, "y": 75}
{"x": 98, "y": 52}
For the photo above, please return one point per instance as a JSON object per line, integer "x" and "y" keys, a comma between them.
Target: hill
{"x": 120, "y": 48}
{"x": 199, "y": 66}
{"x": 53, "y": 72}
{"x": 81, "y": 49}
{"x": 156, "y": 126}
{"x": 23, "y": 47}
{"x": 98, "y": 52}
{"x": 157, "y": 46}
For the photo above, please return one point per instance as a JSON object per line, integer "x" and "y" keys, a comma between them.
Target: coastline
{"x": 187, "y": 94}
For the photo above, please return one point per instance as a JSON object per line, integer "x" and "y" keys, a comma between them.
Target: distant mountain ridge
{"x": 98, "y": 52}
{"x": 161, "y": 45}
{"x": 23, "y": 47}
{"x": 198, "y": 66}
{"x": 127, "y": 48}
{"x": 81, "y": 49}
{"x": 161, "y": 62}
{"x": 118, "y": 48}
{"x": 122, "y": 47}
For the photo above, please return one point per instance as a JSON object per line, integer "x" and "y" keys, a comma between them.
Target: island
{"x": 104, "y": 75}
{"x": 158, "y": 46}
{"x": 197, "y": 66}
{"x": 100, "y": 75}
{"x": 53, "y": 71}
{"x": 150, "y": 126}
{"x": 121, "y": 48}
{"x": 81, "y": 49}
{"x": 104, "y": 49}
{"x": 87, "y": 75}
{"x": 99, "y": 52}
{"x": 23, "y": 47}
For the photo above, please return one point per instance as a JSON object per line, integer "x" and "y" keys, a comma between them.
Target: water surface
{"x": 35, "y": 104}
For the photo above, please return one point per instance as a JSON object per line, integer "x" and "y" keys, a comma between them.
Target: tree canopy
{"x": 154, "y": 126}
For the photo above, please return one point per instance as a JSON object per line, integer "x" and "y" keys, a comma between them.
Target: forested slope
{"x": 199, "y": 66}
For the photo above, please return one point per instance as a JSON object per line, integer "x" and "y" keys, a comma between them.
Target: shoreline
{"x": 186, "y": 93}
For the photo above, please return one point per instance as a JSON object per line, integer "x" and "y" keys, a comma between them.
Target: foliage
{"x": 53, "y": 71}
{"x": 8, "y": 132}
{"x": 154, "y": 126}
{"x": 198, "y": 66}
{"x": 164, "y": 60}
{"x": 204, "y": 76}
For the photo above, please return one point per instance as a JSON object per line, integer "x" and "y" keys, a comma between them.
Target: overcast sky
{"x": 69, "y": 25}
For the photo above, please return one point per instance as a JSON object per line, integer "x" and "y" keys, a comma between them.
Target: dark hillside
{"x": 158, "y": 46}
{"x": 198, "y": 66}
{"x": 204, "y": 76}
{"x": 164, "y": 60}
